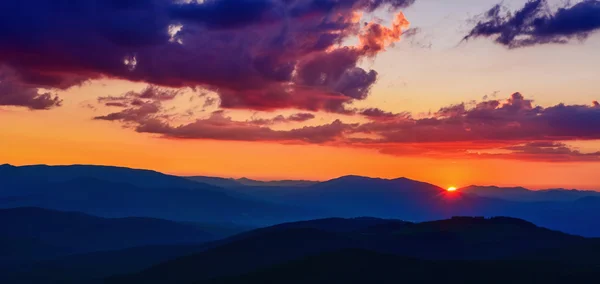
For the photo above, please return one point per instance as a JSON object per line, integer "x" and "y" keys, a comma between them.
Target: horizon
{"x": 457, "y": 186}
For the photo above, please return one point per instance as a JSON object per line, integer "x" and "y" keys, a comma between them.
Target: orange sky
{"x": 37, "y": 138}
{"x": 419, "y": 76}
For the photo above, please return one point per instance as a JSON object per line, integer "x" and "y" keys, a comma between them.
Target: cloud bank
{"x": 514, "y": 128}
{"x": 256, "y": 54}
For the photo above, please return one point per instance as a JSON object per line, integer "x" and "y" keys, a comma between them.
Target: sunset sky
{"x": 449, "y": 92}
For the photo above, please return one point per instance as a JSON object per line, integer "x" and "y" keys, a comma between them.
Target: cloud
{"x": 515, "y": 119}
{"x": 297, "y": 117}
{"x": 252, "y": 53}
{"x": 15, "y": 93}
{"x": 514, "y": 128}
{"x": 149, "y": 95}
{"x": 375, "y": 37}
{"x": 545, "y": 151}
{"x": 534, "y": 24}
{"x": 135, "y": 114}
{"x": 220, "y": 127}
{"x": 381, "y": 115}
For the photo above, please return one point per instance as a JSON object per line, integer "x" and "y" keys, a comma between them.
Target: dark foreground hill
{"x": 464, "y": 240}
{"x": 31, "y": 234}
{"x": 362, "y": 266}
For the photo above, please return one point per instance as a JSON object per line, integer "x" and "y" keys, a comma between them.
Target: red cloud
{"x": 513, "y": 129}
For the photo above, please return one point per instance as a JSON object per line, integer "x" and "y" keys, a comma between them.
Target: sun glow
{"x": 452, "y": 188}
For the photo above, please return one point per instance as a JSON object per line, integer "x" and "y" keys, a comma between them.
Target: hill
{"x": 123, "y": 192}
{"x": 362, "y": 266}
{"x": 455, "y": 239}
{"x": 31, "y": 234}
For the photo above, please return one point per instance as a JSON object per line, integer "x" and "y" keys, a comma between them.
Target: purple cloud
{"x": 248, "y": 51}
{"x": 534, "y": 24}
{"x": 220, "y": 127}
{"x": 515, "y": 127}
{"x": 13, "y": 92}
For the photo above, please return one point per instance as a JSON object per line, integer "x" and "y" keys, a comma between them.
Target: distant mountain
{"x": 244, "y": 182}
{"x": 363, "y": 266}
{"x": 298, "y": 183}
{"x": 42, "y": 174}
{"x": 455, "y": 239}
{"x": 32, "y": 233}
{"x": 526, "y": 195}
{"x": 355, "y": 196}
{"x": 123, "y": 192}
{"x": 402, "y": 198}
{"x": 216, "y": 181}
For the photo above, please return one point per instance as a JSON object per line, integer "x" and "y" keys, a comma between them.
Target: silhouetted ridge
{"x": 363, "y": 266}
{"x": 136, "y": 177}
{"x": 361, "y": 183}
{"x": 33, "y": 234}
{"x": 122, "y": 192}
{"x": 460, "y": 238}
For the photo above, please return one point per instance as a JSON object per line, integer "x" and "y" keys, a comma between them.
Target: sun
{"x": 452, "y": 188}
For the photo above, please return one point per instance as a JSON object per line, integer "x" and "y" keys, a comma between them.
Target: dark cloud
{"x": 149, "y": 95}
{"x": 534, "y": 24}
{"x": 247, "y": 51}
{"x": 134, "y": 114}
{"x": 297, "y": 117}
{"x": 220, "y": 127}
{"x": 381, "y": 115}
{"x": 515, "y": 119}
{"x": 13, "y": 92}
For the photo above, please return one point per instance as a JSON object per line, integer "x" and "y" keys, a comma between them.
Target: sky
{"x": 449, "y": 92}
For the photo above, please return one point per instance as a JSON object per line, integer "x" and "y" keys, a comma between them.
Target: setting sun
{"x": 452, "y": 188}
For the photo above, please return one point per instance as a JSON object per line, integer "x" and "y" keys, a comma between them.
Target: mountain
{"x": 466, "y": 239}
{"x": 42, "y": 174}
{"x": 526, "y": 195}
{"x": 246, "y": 182}
{"x": 216, "y": 181}
{"x": 402, "y": 198}
{"x": 363, "y": 266}
{"x": 298, "y": 183}
{"x": 31, "y": 234}
{"x": 123, "y": 192}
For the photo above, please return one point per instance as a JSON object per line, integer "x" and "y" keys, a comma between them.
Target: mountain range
{"x": 526, "y": 195}
{"x": 122, "y": 192}
{"x": 96, "y": 224}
